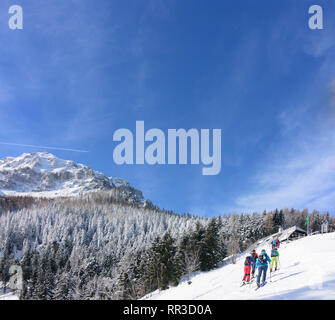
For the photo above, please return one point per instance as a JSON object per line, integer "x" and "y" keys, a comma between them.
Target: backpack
{"x": 273, "y": 253}
{"x": 262, "y": 258}
{"x": 247, "y": 261}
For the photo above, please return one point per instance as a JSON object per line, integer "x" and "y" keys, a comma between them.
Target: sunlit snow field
{"x": 307, "y": 271}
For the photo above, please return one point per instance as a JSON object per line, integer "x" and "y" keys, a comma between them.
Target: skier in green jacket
{"x": 274, "y": 259}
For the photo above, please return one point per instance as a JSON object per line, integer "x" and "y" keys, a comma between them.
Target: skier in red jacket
{"x": 247, "y": 269}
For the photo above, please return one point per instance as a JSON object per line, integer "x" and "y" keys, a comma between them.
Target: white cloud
{"x": 317, "y": 44}
{"x": 300, "y": 172}
{"x": 303, "y": 181}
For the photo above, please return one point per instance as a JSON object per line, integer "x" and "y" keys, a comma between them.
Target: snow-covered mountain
{"x": 43, "y": 174}
{"x": 306, "y": 271}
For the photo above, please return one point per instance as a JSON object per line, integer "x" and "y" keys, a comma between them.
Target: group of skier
{"x": 261, "y": 262}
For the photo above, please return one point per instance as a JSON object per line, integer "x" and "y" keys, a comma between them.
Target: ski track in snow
{"x": 9, "y": 296}
{"x": 306, "y": 271}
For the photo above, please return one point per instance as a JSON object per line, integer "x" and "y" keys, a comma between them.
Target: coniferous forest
{"x": 98, "y": 246}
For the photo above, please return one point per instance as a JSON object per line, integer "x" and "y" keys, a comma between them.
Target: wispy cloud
{"x": 41, "y": 147}
{"x": 303, "y": 181}
{"x": 300, "y": 172}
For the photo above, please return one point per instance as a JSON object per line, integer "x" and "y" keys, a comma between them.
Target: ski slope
{"x": 307, "y": 271}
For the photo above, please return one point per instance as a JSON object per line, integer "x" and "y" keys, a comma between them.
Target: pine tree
{"x": 278, "y": 220}
{"x": 268, "y": 220}
{"x": 162, "y": 267}
{"x": 4, "y": 275}
{"x": 213, "y": 248}
{"x": 64, "y": 286}
{"x": 126, "y": 287}
{"x": 189, "y": 255}
{"x": 26, "y": 259}
{"x": 198, "y": 238}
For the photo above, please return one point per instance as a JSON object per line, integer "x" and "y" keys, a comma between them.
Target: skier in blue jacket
{"x": 262, "y": 265}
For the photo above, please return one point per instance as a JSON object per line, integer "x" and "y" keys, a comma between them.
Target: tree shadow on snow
{"x": 288, "y": 276}
{"x": 322, "y": 291}
{"x": 293, "y": 265}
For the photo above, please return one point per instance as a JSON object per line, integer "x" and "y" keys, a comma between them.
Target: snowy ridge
{"x": 44, "y": 175}
{"x": 307, "y": 271}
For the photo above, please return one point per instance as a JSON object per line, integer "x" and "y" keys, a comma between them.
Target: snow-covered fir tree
{"x": 93, "y": 247}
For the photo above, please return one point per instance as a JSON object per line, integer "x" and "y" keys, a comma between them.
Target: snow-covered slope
{"x": 8, "y": 296}
{"x": 307, "y": 271}
{"x": 43, "y": 174}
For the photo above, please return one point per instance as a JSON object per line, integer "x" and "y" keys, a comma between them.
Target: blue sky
{"x": 79, "y": 70}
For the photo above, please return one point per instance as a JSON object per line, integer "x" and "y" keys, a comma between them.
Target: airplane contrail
{"x": 41, "y": 147}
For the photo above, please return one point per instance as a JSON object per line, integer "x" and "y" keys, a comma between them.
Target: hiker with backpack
{"x": 277, "y": 243}
{"x": 248, "y": 262}
{"x": 274, "y": 259}
{"x": 262, "y": 265}
{"x": 253, "y": 266}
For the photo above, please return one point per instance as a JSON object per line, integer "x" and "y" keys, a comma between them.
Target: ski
{"x": 245, "y": 283}
{"x": 261, "y": 285}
